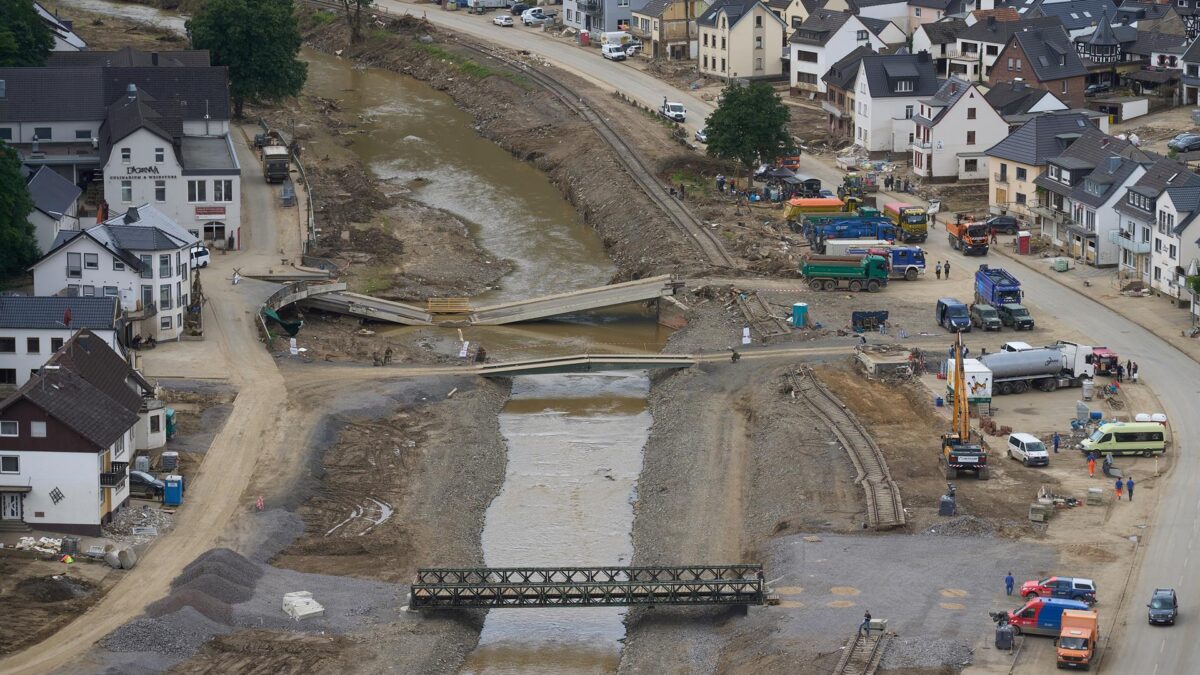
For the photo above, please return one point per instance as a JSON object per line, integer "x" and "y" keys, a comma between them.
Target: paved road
{"x": 1174, "y": 376}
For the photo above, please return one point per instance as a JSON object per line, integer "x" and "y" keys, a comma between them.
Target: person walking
{"x": 938, "y": 270}
{"x": 1091, "y": 465}
{"x": 1129, "y": 487}
{"x": 865, "y": 626}
{"x": 721, "y": 183}
{"x": 682, "y": 192}
{"x": 1119, "y": 487}
{"x": 1009, "y": 582}
{"x": 1129, "y": 367}
{"x": 995, "y": 239}
{"x": 946, "y": 269}
{"x": 1133, "y": 370}
{"x": 1120, "y": 373}
{"x": 1056, "y": 440}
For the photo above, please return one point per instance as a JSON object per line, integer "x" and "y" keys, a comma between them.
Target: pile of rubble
{"x": 138, "y": 525}
{"x": 42, "y": 545}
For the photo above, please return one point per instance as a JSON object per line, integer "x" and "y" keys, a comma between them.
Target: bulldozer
{"x": 959, "y": 451}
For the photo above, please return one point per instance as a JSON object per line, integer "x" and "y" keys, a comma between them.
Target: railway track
{"x": 709, "y": 244}
{"x": 884, "y": 508}
{"x": 861, "y": 655}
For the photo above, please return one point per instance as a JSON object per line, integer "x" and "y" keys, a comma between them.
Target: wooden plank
{"x": 449, "y": 305}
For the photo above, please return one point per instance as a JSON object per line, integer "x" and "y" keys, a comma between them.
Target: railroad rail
{"x": 861, "y": 655}
{"x": 884, "y": 508}
{"x": 588, "y": 586}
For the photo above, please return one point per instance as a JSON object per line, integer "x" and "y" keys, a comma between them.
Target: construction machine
{"x": 959, "y": 452}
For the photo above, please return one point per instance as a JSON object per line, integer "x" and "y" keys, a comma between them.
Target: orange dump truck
{"x": 1077, "y": 640}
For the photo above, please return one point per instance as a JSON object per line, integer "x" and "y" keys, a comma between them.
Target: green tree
{"x": 353, "y": 9}
{"x": 25, "y": 40}
{"x": 258, "y": 40}
{"x": 18, "y": 248}
{"x": 749, "y": 126}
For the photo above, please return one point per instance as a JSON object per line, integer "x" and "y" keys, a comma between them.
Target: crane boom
{"x": 962, "y": 413}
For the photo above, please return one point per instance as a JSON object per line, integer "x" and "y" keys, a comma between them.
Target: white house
{"x": 141, "y": 257}
{"x": 1175, "y": 254}
{"x": 889, "y": 88}
{"x": 822, "y": 40}
{"x": 895, "y": 11}
{"x": 940, "y": 39}
{"x": 66, "y": 438}
{"x": 954, "y": 128}
{"x": 55, "y": 206}
{"x": 1137, "y": 239}
{"x": 978, "y": 46}
{"x": 33, "y": 328}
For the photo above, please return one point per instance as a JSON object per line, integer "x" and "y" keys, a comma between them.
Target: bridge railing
{"x": 571, "y": 575}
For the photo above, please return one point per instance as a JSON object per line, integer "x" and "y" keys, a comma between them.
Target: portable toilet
{"x": 169, "y": 414}
{"x": 169, "y": 460}
{"x": 173, "y": 492}
{"x": 800, "y": 314}
{"x": 1023, "y": 239}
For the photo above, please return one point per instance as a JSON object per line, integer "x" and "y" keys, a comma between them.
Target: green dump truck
{"x": 855, "y": 272}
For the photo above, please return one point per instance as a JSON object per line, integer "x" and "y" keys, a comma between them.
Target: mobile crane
{"x": 959, "y": 453}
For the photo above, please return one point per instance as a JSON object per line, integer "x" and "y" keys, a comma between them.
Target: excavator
{"x": 959, "y": 453}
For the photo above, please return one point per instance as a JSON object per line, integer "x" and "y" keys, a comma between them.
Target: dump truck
{"x": 276, "y": 163}
{"x": 968, "y": 236}
{"x": 912, "y": 221}
{"x": 960, "y": 452}
{"x": 799, "y": 207}
{"x": 855, "y": 272}
{"x": 1064, "y": 364}
{"x": 1077, "y": 639}
{"x": 996, "y": 287}
{"x": 850, "y": 228}
{"x": 904, "y": 262}
{"x": 814, "y": 219}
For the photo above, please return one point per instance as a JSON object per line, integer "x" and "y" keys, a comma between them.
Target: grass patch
{"x": 322, "y": 17}
{"x": 374, "y": 279}
{"x": 472, "y": 69}
{"x": 694, "y": 183}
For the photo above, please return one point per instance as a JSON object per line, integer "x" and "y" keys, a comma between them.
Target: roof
{"x": 93, "y": 391}
{"x": 945, "y": 98}
{"x": 948, "y": 6}
{"x": 52, "y": 194}
{"x": 1192, "y": 55}
{"x": 1013, "y": 98}
{"x": 47, "y": 312}
{"x": 62, "y": 30}
{"x": 206, "y": 153}
{"x": 1153, "y": 42}
{"x": 883, "y": 72}
{"x": 1036, "y": 141}
{"x": 146, "y": 216}
{"x": 875, "y": 3}
{"x": 654, "y": 7}
{"x": 1103, "y": 36}
{"x": 876, "y": 26}
{"x": 1078, "y": 14}
{"x": 998, "y": 32}
{"x": 1185, "y": 198}
{"x": 1110, "y": 160}
{"x": 1160, "y": 175}
{"x": 734, "y": 9}
{"x": 843, "y": 73}
{"x": 1132, "y": 10}
{"x": 1050, "y": 53}
{"x": 1001, "y": 14}
{"x": 141, "y": 228}
{"x": 820, "y": 27}
{"x": 128, "y": 57}
{"x": 945, "y": 31}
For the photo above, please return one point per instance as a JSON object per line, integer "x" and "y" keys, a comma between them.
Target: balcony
{"x": 591, "y": 6}
{"x": 121, "y": 468}
{"x": 1001, "y": 178}
{"x": 808, "y": 86}
{"x": 112, "y": 480}
{"x": 144, "y": 311}
{"x": 922, "y": 145}
{"x": 1052, "y": 215}
{"x": 832, "y": 109}
{"x": 1125, "y": 240}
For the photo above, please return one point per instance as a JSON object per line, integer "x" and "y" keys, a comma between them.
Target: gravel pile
{"x": 219, "y": 588}
{"x": 963, "y": 526}
{"x": 205, "y": 604}
{"x": 926, "y": 653}
{"x": 225, "y": 558}
{"x": 179, "y": 634}
{"x": 214, "y": 568}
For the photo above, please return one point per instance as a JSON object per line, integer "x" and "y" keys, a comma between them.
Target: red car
{"x": 1069, "y": 588}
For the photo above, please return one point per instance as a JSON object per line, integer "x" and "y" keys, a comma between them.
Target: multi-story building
{"x": 978, "y": 46}
{"x": 1137, "y": 237}
{"x": 1044, "y": 58}
{"x": 940, "y": 39}
{"x": 888, "y": 89}
{"x": 55, "y": 206}
{"x": 597, "y": 15}
{"x": 141, "y": 257}
{"x": 953, "y": 128}
{"x": 33, "y": 328}
{"x": 821, "y": 41}
{"x": 741, "y": 39}
{"x": 669, "y": 27}
{"x": 839, "y": 94}
{"x": 1175, "y": 256}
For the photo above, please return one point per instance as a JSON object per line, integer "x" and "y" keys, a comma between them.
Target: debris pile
{"x": 963, "y": 526}
{"x": 137, "y": 526}
{"x": 42, "y": 545}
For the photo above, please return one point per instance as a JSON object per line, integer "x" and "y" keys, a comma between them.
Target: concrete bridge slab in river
{"x": 584, "y": 363}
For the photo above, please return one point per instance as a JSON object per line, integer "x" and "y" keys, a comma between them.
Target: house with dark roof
{"x": 1078, "y": 17}
{"x": 978, "y": 46}
{"x": 1144, "y": 246}
{"x": 1016, "y": 162}
{"x": 55, "y": 205}
{"x": 1045, "y": 58}
{"x": 895, "y": 11}
{"x": 1082, "y": 187}
{"x": 952, "y": 129}
{"x": 838, "y": 103}
{"x": 824, "y": 39}
{"x": 1012, "y": 99}
{"x": 33, "y": 328}
{"x": 887, "y": 92}
{"x": 668, "y": 27}
{"x": 798, "y": 11}
{"x": 1117, "y": 55}
{"x": 62, "y": 30}
{"x": 141, "y": 257}
{"x": 66, "y": 439}
{"x": 940, "y": 39}
{"x": 1190, "y": 79}
{"x": 598, "y": 15}
{"x": 741, "y": 39}
{"x": 887, "y": 31}
{"x": 930, "y": 11}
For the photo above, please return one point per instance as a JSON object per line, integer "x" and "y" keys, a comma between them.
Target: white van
{"x": 613, "y": 52}
{"x": 1029, "y": 449}
{"x": 199, "y": 257}
{"x": 1127, "y": 438}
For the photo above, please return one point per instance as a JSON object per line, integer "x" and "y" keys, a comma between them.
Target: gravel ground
{"x": 925, "y": 653}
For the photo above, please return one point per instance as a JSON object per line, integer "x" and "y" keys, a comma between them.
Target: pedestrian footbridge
{"x": 585, "y": 363}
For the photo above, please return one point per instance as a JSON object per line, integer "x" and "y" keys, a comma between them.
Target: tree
{"x": 25, "y": 40}
{"x": 258, "y": 40}
{"x": 354, "y": 10}
{"x": 18, "y": 248}
{"x": 749, "y": 126}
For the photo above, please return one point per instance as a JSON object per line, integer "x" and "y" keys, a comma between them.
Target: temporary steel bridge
{"x": 588, "y": 586}
{"x": 585, "y": 363}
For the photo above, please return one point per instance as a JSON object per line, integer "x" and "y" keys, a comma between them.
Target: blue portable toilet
{"x": 173, "y": 492}
{"x": 799, "y": 314}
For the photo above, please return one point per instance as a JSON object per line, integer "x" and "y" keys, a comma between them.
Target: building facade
{"x": 55, "y": 206}
{"x": 598, "y": 16}
{"x": 888, "y": 90}
{"x": 1044, "y": 58}
{"x": 669, "y": 27}
{"x": 741, "y": 39}
{"x": 1138, "y": 238}
{"x": 839, "y": 94}
{"x": 824, "y": 39}
{"x": 33, "y": 328}
{"x": 953, "y": 128}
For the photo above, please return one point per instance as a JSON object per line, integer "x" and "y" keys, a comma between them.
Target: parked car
{"x": 985, "y": 317}
{"x": 199, "y": 257}
{"x": 503, "y": 20}
{"x": 518, "y": 9}
{"x": 1003, "y": 224}
{"x": 1185, "y": 143}
{"x": 1029, "y": 449}
{"x": 1093, "y": 89}
{"x": 1069, "y": 588}
{"x": 142, "y": 484}
{"x": 1163, "y": 607}
{"x": 613, "y": 52}
{"x": 533, "y": 17}
{"x": 702, "y": 135}
{"x": 1015, "y": 316}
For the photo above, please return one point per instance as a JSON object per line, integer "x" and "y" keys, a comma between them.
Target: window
{"x": 56, "y": 344}
{"x": 917, "y": 11}
{"x": 147, "y": 266}
{"x": 155, "y": 424}
{"x": 1158, "y": 245}
{"x": 196, "y": 191}
{"x": 165, "y": 324}
{"x": 1018, "y": 64}
{"x": 83, "y": 135}
{"x": 160, "y": 155}
{"x": 91, "y": 261}
{"x": 89, "y": 291}
{"x": 706, "y": 42}
{"x": 723, "y": 23}
{"x": 992, "y": 50}
{"x": 43, "y": 133}
{"x": 8, "y": 376}
{"x": 758, "y": 42}
{"x": 119, "y": 446}
{"x": 971, "y": 165}
{"x": 9, "y": 428}
{"x": 57, "y": 495}
{"x": 10, "y": 463}
{"x": 1065, "y": 176}
{"x": 126, "y": 191}
{"x": 164, "y": 266}
{"x": 110, "y": 291}
{"x": 1157, "y": 274}
{"x": 74, "y": 266}
{"x": 8, "y": 345}
{"x": 908, "y": 112}
{"x": 1021, "y": 173}
{"x": 970, "y": 138}
{"x": 1064, "y": 86}
{"x": 37, "y": 429}
{"x": 1020, "y": 197}
{"x": 722, "y": 44}
{"x": 1010, "y": 64}
{"x": 1171, "y": 250}
{"x": 722, "y": 60}
{"x": 118, "y": 266}
{"x": 33, "y": 345}
{"x": 160, "y": 191}
{"x": 5, "y": 134}
{"x": 758, "y": 63}
{"x": 970, "y": 113}
{"x": 904, "y": 85}
{"x": 164, "y": 297}
{"x": 758, "y": 22}
{"x": 862, "y": 36}
{"x": 126, "y": 155}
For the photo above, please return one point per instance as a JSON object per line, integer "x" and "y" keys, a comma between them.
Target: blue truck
{"x": 996, "y": 287}
{"x": 905, "y": 262}
{"x": 849, "y": 228}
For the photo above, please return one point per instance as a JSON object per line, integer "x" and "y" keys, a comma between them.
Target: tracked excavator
{"x": 959, "y": 452}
